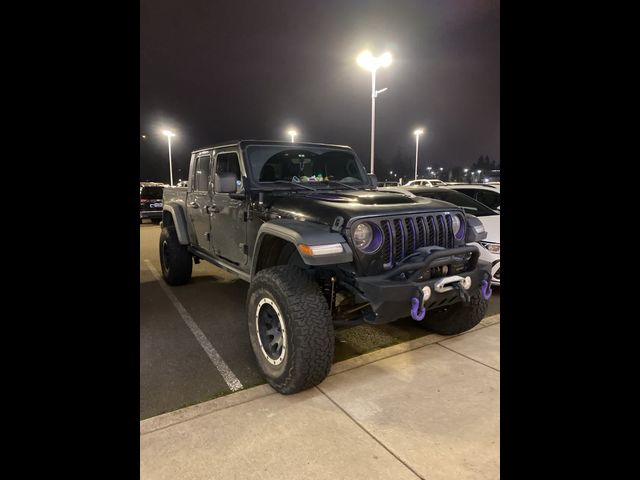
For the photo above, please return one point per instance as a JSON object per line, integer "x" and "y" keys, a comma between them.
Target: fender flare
{"x": 297, "y": 232}
{"x": 179, "y": 221}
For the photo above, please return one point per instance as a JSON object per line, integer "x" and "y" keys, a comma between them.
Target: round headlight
{"x": 457, "y": 226}
{"x": 362, "y": 236}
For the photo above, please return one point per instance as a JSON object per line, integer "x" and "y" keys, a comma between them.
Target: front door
{"x": 228, "y": 224}
{"x": 199, "y": 200}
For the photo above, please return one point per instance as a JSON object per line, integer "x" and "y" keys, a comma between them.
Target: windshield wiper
{"x": 296, "y": 184}
{"x": 343, "y": 184}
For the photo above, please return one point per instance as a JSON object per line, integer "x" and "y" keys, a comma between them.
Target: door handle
{"x": 212, "y": 209}
{"x": 194, "y": 205}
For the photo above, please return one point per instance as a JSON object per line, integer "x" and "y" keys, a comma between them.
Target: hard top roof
{"x": 284, "y": 143}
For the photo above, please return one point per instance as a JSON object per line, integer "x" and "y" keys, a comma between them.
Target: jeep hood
{"x": 324, "y": 207}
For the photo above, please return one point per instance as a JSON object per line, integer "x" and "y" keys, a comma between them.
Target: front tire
{"x": 457, "y": 318}
{"x": 175, "y": 259}
{"x": 290, "y": 329}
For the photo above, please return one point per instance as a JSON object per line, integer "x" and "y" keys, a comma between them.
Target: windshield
{"x": 151, "y": 192}
{"x": 309, "y": 165}
{"x": 461, "y": 200}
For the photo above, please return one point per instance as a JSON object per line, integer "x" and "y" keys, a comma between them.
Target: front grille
{"x": 403, "y": 235}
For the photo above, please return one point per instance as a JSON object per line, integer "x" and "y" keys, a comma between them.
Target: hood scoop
{"x": 364, "y": 198}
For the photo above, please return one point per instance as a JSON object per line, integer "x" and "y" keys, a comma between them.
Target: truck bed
{"x": 175, "y": 195}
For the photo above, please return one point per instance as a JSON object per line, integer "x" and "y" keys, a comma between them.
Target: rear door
{"x": 199, "y": 199}
{"x": 228, "y": 224}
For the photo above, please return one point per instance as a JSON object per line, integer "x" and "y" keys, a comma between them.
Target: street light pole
{"x": 293, "y": 134}
{"x": 417, "y": 133}
{"x": 373, "y": 113}
{"x": 169, "y": 135}
{"x": 367, "y": 61}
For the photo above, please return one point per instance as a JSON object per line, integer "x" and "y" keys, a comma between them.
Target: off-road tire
{"x": 176, "y": 261}
{"x": 457, "y": 318}
{"x": 309, "y": 345}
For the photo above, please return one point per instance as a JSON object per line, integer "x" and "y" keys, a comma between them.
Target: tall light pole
{"x": 293, "y": 134}
{"x": 367, "y": 61}
{"x": 169, "y": 134}
{"x": 417, "y": 133}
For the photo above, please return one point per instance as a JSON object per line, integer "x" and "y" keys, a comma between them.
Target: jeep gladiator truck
{"x": 321, "y": 248}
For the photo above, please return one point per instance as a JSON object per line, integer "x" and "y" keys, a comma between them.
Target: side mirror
{"x": 373, "y": 179}
{"x": 225, "y": 182}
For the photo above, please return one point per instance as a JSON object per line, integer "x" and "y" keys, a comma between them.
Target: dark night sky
{"x": 214, "y": 71}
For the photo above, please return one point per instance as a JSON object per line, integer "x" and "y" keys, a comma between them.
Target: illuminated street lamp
{"x": 293, "y": 134}
{"x": 367, "y": 61}
{"x": 169, "y": 134}
{"x": 417, "y": 133}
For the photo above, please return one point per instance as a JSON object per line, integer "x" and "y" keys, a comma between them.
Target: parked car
{"x": 423, "y": 182}
{"x": 490, "y": 246}
{"x": 487, "y": 194}
{"x": 387, "y": 184}
{"x": 151, "y": 201}
{"x": 321, "y": 247}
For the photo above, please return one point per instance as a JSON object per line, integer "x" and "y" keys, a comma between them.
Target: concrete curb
{"x": 184, "y": 414}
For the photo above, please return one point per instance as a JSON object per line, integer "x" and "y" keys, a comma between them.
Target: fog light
{"x": 426, "y": 294}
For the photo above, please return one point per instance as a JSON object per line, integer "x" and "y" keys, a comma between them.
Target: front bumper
{"x": 390, "y": 298}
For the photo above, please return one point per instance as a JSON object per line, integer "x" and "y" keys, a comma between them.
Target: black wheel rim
{"x": 271, "y": 331}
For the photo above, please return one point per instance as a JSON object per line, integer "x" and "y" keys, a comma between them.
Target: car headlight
{"x": 367, "y": 237}
{"x": 457, "y": 226}
{"x": 492, "y": 247}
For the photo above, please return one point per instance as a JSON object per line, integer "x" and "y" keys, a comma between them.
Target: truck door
{"x": 228, "y": 224}
{"x": 199, "y": 199}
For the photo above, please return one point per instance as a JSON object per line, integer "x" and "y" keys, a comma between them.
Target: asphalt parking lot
{"x": 185, "y": 330}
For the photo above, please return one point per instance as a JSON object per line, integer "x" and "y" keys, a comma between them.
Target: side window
{"x": 201, "y": 177}
{"x": 229, "y": 163}
{"x": 490, "y": 199}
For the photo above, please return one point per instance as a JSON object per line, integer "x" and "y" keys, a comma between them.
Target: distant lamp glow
{"x": 144, "y": 136}
{"x": 466, "y": 170}
{"x": 367, "y": 61}
{"x": 169, "y": 134}
{"x": 292, "y": 134}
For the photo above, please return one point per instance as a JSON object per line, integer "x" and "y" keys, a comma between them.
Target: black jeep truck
{"x": 322, "y": 248}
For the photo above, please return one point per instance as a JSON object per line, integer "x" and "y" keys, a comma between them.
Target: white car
{"x": 422, "y": 182}
{"x": 483, "y": 193}
{"x": 490, "y": 246}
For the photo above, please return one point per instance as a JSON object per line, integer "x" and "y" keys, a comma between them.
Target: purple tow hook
{"x": 415, "y": 314}
{"x": 485, "y": 288}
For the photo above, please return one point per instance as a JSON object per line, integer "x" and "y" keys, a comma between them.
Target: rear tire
{"x": 290, "y": 329}
{"x": 457, "y": 318}
{"x": 175, "y": 259}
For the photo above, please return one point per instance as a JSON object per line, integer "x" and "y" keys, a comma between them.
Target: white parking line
{"x": 223, "y": 368}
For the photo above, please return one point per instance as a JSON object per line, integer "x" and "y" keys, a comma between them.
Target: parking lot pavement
{"x": 430, "y": 412}
{"x": 177, "y": 371}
